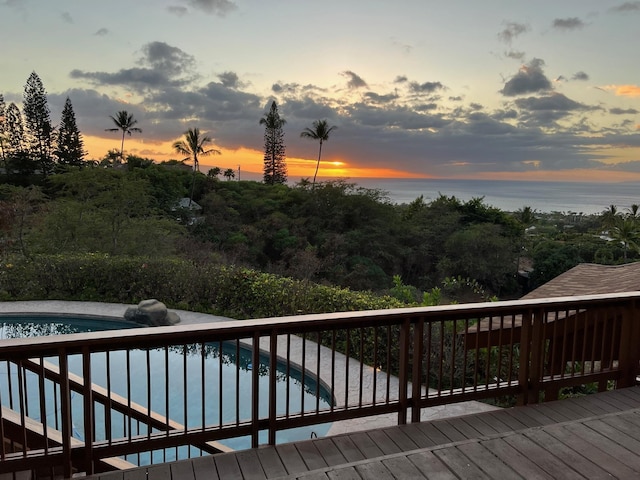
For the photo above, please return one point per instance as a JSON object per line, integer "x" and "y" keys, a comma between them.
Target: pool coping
{"x": 116, "y": 310}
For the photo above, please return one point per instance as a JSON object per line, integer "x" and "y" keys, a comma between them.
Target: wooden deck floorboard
{"x": 589, "y": 437}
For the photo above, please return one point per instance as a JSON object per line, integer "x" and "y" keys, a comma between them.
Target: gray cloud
{"x": 101, "y": 32}
{"x": 427, "y": 87}
{"x": 377, "y": 98}
{"x": 580, "y": 76}
{"x": 555, "y": 101}
{"x": 573, "y": 23}
{"x": 161, "y": 65}
{"x": 216, "y": 7}
{"x": 229, "y": 79}
{"x": 623, "y": 111}
{"x": 66, "y": 17}
{"x": 400, "y": 79}
{"x": 627, "y": 7}
{"x": 511, "y": 31}
{"x": 515, "y": 55}
{"x": 354, "y": 80}
{"x": 529, "y": 79}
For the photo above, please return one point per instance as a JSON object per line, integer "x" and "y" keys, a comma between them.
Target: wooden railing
{"x": 85, "y": 402}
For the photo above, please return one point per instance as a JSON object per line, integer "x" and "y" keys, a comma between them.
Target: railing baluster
{"x": 87, "y": 395}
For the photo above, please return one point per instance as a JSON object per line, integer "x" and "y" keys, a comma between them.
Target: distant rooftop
{"x": 590, "y": 279}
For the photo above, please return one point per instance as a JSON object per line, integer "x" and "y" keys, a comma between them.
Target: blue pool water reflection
{"x": 161, "y": 375}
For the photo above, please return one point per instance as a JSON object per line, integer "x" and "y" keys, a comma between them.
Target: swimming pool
{"x": 220, "y": 366}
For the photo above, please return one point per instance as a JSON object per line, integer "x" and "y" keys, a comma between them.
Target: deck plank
{"x": 250, "y": 465}
{"x": 366, "y": 445}
{"x": 488, "y": 462}
{"x": 402, "y": 468}
{"x": 459, "y": 463}
{"x": 401, "y": 439}
{"x": 204, "y": 468}
{"x": 514, "y": 459}
{"x": 578, "y": 462}
{"x": 382, "y": 440}
{"x": 159, "y": 472}
{"x": 375, "y": 469}
{"x": 541, "y": 457}
{"x": 624, "y": 455}
{"x": 607, "y": 462}
{"x": 291, "y": 458}
{"x": 431, "y": 466}
{"x": 448, "y": 430}
{"x": 227, "y": 466}
{"x": 183, "y": 470}
{"x": 330, "y": 452}
{"x": 433, "y": 434}
{"x": 310, "y": 454}
{"x": 416, "y": 435}
{"x": 348, "y": 473}
{"x": 348, "y": 448}
{"x": 271, "y": 462}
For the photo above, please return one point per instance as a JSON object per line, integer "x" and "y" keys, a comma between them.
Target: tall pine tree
{"x": 18, "y": 161}
{"x": 70, "y": 147}
{"x": 4, "y": 136}
{"x": 275, "y": 167}
{"x": 38, "y": 129}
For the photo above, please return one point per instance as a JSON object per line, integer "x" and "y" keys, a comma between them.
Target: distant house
{"x": 187, "y": 204}
{"x": 564, "y": 328}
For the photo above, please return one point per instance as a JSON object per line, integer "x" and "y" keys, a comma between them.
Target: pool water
{"x": 226, "y": 363}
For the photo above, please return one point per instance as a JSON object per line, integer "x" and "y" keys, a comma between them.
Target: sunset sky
{"x": 544, "y": 90}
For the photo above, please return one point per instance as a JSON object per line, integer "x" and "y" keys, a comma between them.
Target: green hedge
{"x": 234, "y": 292}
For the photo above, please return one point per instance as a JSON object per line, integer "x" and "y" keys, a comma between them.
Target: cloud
{"x": 400, "y": 79}
{"x": 627, "y": 7}
{"x": 555, "y": 101}
{"x": 623, "y": 111}
{"x": 427, "y": 87}
{"x": 216, "y": 7}
{"x": 511, "y": 31}
{"x": 377, "y": 98}
{"x": 529, "y": 79}
{"x": 161, "y": 65}
{"x": 622, "y": 90}
{"x": 573, "y": 23}
{"x": 580, "y": 76}
{"x": 229, "y": 79}
{"x": 515, "y": 55}
{"x": 101, "y": 32}
{"x": 355, "y": 81}
{"x": 66, "y": 17}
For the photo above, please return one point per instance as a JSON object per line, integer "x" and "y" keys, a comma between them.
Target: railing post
{"x": 537, "y": 356}
{"x": 629, "y": 340}
{"x": 255, "y": 390}
{"x": 525, "y": 355}
{"x": 273, "y": 367}
{"x": 88, "y": 412}
{"x": 65, "y": 414}
{"x": 416, "y": 379}
{"x": 403, "y": 374}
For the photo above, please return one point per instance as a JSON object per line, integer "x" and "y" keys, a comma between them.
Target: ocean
{"x": 565, "y": 197}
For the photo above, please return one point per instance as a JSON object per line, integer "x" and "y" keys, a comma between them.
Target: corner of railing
{"x": 629, "y": 358}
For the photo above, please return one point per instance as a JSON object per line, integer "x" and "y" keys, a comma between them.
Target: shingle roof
{"x": 591, "y": 279}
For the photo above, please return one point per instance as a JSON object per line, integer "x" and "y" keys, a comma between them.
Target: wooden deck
{"x": 596, "y": 436}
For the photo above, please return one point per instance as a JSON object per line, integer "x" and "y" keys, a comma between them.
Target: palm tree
{"x": 193, "y": 145}
{"x": 125, "y": 122}
{"x": 229, "y": 174}
{"x": 320, "y": 131}
{"x": 627, "y": 232}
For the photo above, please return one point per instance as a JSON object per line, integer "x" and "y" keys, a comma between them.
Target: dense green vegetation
{"x": 93, "y": 219}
